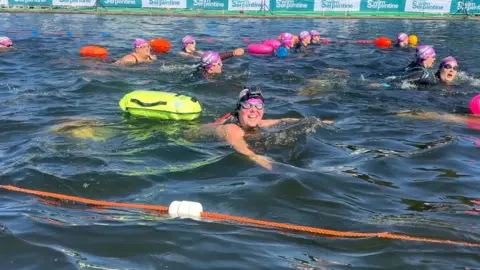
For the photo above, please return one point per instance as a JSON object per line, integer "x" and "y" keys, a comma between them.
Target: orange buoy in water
{"x": 93, "y": 51}
{"x": 383, "y": 42}
{"x": 160, "y": 45}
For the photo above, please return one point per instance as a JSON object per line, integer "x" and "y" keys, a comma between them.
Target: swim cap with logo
{"x": 424, "y": 52}
{"x": 314, "y": 33}
{"x": 402, "y": 37}
{"x": 187, "y": 40}
{"x": 209, "y": 59}
{"x": 304, "y": 35}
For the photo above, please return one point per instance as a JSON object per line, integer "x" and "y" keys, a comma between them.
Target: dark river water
{"x": 372, "y": 171}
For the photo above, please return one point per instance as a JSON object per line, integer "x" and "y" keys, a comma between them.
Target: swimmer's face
{"x": 143, "y": 50}
{"x": 250, "y": 114}
{"x": 403, "y": 43}
{"x": 429, "y": 62}
{"x": 217, "y": 68}
{"x": 448, "y": 72}
{"x": 191, "y": 46}
{"x": 307, "y": 40}
{"x": 316, "y": 39}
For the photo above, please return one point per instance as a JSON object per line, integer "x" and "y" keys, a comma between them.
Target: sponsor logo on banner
{"x": 74, "y": 3}
{"x": 292, "y": 5}
{"x": 246, "y": 4}
{"x": 28, "y": 2}
{"x": 430, "y": 6}
{"x": 164, "y": 3}
{"x": 337, "y": 5}
{"x": 121, "y": 3}
{"x": 208, "y": 4}
{"x": 383, "y": 5}
{"x": 470, "y": 6}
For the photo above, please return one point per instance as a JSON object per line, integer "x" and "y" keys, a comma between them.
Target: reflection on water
{"x": 372, "y": 171}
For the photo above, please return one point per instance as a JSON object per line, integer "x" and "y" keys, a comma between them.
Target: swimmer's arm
{"x": 235, "y": 137}
{"x": 272, "y": 122}
{"x": 435, "y": 116}
{"x": 236, "y": 52}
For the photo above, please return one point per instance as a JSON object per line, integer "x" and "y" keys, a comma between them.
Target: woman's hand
{"x": 262, "y": 161}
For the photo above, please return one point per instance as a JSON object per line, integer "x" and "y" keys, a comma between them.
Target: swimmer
{"x": 189, "y": 47}
{"x": 315, "y": 37}
{"x": 142, "y": 53}
{"x": 246, "y": 120}
{"x": 305, "y": 39}
{"x": 446, "y": 73}
{"x": 469, "y": 116}
{"x": 5, "y": 43}
{"x": 211, "y": 62}
{"x": 402, "y": 40}
{"x": 92, "y": 129}
{"x": 417, "y": 72}
{"x": 287, "y": 44}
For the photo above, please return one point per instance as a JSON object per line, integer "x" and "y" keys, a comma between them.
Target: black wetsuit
{"x": 419, "y": 75}
{"x": 300, "y": 48}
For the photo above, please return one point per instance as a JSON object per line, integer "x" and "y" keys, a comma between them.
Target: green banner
{"x": 292, "y": 5}
{"x": 207, "y": 4}
{"x": 121, "y": 3}
{"x": 30, "y": 2}
{"x": 465, "y": 6}
{"x": 382, "y": 5}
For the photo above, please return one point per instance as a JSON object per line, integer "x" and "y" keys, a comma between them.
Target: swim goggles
{"x": 248, "y": 105}
{"x": 448, "y": 66}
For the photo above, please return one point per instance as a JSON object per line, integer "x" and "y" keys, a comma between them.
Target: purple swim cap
{"x": 287, "y": 39}
{"x": 139, "y": 43}
{"x": 314, "y": 33}
{"x": 304, "y": 35}
{"x": 5, "y": 42}
{"x": 424, "y": 52}
{"x": 402, "y": 37}
{"x": 447, "y": 60}
{"x": 209, "y": 59}
{"x": 187, "y": 40}
{"x": 475, "y": 104}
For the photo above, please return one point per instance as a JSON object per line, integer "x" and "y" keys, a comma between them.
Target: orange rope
{"x": 243, "y": 220}
{"x": 86, "y": 201}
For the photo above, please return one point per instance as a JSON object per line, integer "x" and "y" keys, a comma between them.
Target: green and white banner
{"x": 383, "y": 5}
{"x": 337, "y": 5}
{"x": 293, "y": 5}
{"x": 428, "y": 6}
{"x": 208, "y": 4}
{"x": 164, "y": 3}
{"x": 471, "y": 6}
{"x": 28, "y": 2}
{"x": 246, "y": 4}
{"x": 74, "y": 3}
{"x": 122, "y": 3}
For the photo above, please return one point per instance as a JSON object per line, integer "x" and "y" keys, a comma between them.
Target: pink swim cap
{"x": 287, "y": 39}
{"x": 402, "y": 37}
{"x": 209, "y": 59}
{"x": 304, "y": 35}
{"x": 424, "y": 52}
{"x": 314, "y": 33}
{"x": 5, "y": 42}
{"x": 475, "y": 104}
{"x": 447, "y": 60}
{"x": 187, "y": 40}
{"x": 139, "y": 42}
